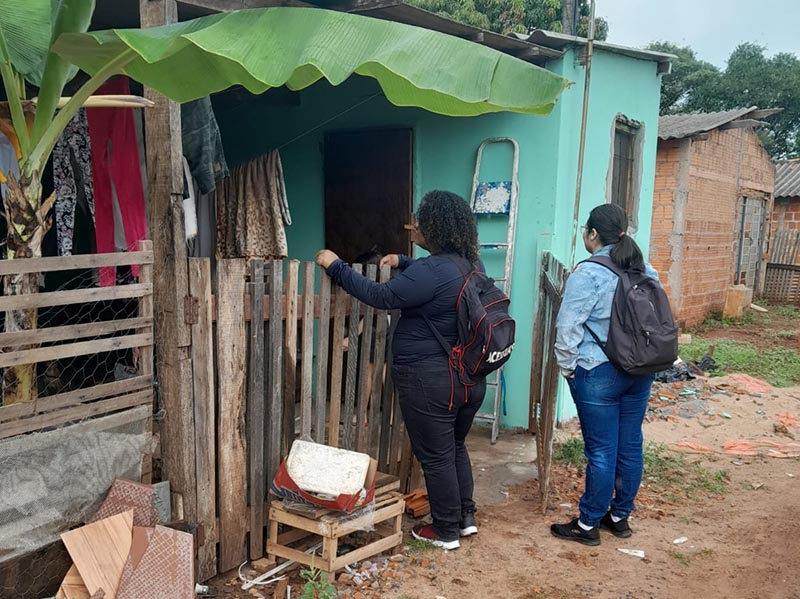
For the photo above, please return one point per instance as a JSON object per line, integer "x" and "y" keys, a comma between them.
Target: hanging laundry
{"x": 202, "y": 143}
{"x": 189, "y": 204}
{"x": 205, "y": 242}
{"x": 251, "y": 204}
{"x": 115, "y": 170}
{"x": 72, "y": 178}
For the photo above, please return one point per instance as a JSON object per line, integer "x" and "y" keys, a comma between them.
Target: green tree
{"x": 690, "y": 77}
{"x": 751, "y": 78}
{"x": 513, "y": 16}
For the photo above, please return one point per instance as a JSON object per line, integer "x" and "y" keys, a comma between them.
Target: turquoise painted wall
{"x": 619, "y": 85}
{"x": 444, "y": 158}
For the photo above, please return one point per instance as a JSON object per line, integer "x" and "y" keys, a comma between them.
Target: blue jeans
{"x": 611, "y": 407}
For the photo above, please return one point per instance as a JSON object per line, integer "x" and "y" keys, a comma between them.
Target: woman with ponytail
{"x": 611, "y": 403}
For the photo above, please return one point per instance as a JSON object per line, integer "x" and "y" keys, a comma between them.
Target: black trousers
{"x": 437, "y": 430}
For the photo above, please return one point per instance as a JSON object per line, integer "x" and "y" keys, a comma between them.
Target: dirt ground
{"x": 743, "y": 543}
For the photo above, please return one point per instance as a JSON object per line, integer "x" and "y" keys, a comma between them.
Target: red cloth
{"x": 115, "y": 158}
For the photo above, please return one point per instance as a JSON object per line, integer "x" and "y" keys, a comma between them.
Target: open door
{"x": 368, "y": 191}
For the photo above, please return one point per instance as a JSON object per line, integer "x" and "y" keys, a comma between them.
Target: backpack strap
{"x": 448, "y": 349}
{"x": 607, "y": 262}
{"x": 439, "y": 337}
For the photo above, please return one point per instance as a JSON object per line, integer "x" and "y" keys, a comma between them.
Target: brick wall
{"x": 710, "y": 228}
{"x": 667, "y": 168}
{"x": 786, "y": 214}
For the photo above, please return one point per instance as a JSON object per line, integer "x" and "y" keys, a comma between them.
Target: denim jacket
{"x": 587, "y": 300}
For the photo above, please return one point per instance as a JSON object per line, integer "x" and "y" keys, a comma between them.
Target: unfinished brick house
{"x": 786, "y": 214}
{"x": 711, "y": 208}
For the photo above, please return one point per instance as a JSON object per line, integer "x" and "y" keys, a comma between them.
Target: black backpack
{"x": 642, "y": 336}
{"x": 485, "y": 329}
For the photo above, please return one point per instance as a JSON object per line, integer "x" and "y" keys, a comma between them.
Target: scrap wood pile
{"x": 417, "y": 503}
{"x": 124, "y": 553}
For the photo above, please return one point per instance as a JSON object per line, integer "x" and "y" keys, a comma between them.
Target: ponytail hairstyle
{"x": 611, "y": 224}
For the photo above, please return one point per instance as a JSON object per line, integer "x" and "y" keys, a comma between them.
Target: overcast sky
{"x": 712, "y": 27}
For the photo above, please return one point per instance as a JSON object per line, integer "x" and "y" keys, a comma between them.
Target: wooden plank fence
{"x": 782, "y": 283}
{"x": 65, "y": 339}
{"x": 544, "y": 370}
{"x": 294, "y": 357}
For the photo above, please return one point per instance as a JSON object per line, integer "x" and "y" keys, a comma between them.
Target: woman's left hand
{"x": 325, "y": 258}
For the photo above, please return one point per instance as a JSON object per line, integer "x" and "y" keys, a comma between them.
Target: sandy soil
{"x": 742, "y": 544}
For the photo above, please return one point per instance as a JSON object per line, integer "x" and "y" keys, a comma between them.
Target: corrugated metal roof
{"x": 787, "y": 178}
{"x": 559, "y": 41}
{"x": 678, "y": 126}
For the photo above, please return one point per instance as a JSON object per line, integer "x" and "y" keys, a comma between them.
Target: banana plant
{"x": 28, "y": 29}
{"x": 44, "y": 42}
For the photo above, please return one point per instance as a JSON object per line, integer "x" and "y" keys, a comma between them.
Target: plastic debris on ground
{"x": 680, "y": 541}
{"x": 634, "y": 552}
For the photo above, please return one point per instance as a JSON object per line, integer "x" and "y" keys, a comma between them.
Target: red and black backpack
{"x": 485, "y": 329}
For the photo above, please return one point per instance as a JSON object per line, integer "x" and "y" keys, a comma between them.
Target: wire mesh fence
{"x": 63, "y": 325}
{"x": 79, "y": 412}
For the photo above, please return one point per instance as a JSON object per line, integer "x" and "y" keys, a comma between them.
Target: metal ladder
{"x": 498, "y": 198}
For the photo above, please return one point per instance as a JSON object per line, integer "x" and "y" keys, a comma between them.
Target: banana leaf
{"x": 264, "y": 48}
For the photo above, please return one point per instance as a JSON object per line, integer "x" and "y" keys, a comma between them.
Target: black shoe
{"x": 468, "y": 526}
{"x": 573, "y": 532}
{"x": 618, "y": 529}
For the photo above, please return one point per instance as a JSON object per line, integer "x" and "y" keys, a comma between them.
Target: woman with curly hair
{"x": 426, "y": 292}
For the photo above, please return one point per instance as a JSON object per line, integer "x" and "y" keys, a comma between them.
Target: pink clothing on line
{"x": 115, "y": 161}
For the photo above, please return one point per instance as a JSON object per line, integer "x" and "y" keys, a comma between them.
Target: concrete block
{"x": 737, "y": 299}
{"x": 685, "y": 339}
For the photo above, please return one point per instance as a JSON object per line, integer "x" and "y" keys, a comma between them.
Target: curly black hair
{"x": 448, "y": 224}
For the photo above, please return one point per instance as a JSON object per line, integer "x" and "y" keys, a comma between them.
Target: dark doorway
{"x": 368, "y": 191}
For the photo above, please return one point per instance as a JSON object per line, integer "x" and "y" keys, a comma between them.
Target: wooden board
{"x": 204, "y": 416}
{"x": 73, "y": 587}
{"x": 307, "y": 368}
{"x": 71, "y": 350}
{"x": 231, "y": 440}
{"x": 100, "y": 550}
{"x": 274, "y": 399}
{"x": 255, "y": 414}
{"x": 25, "y": 265}
{"x": 376, "y": 388}
{"x": 290, "y": 352}
{"x": 322, "y": 358}
{"x": 145, "y": 355}
{"x": 351, "y": 384}
{"x": 365, "y": 344}
{"x": 80, "y": 412}
{"x": 73, "y": 398}
{"x": 337, "y": 361}
{"x": 388, "y": 405}
{"x": 75, "y": 296}
{"x": 75, "y": 331}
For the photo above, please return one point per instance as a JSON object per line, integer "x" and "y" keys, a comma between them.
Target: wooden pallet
{"x": 387, "y": 519}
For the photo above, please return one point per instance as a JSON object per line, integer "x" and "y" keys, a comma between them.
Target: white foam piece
{"x": 327, "y": 470}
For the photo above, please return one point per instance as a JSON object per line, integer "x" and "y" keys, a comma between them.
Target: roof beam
{"x": 232, "y": 5}
{"x": 526, "y": 53}
{"x": 764, "y": 113}
{"x": 743, "y": 124}
{"x": 476, "y": 37}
